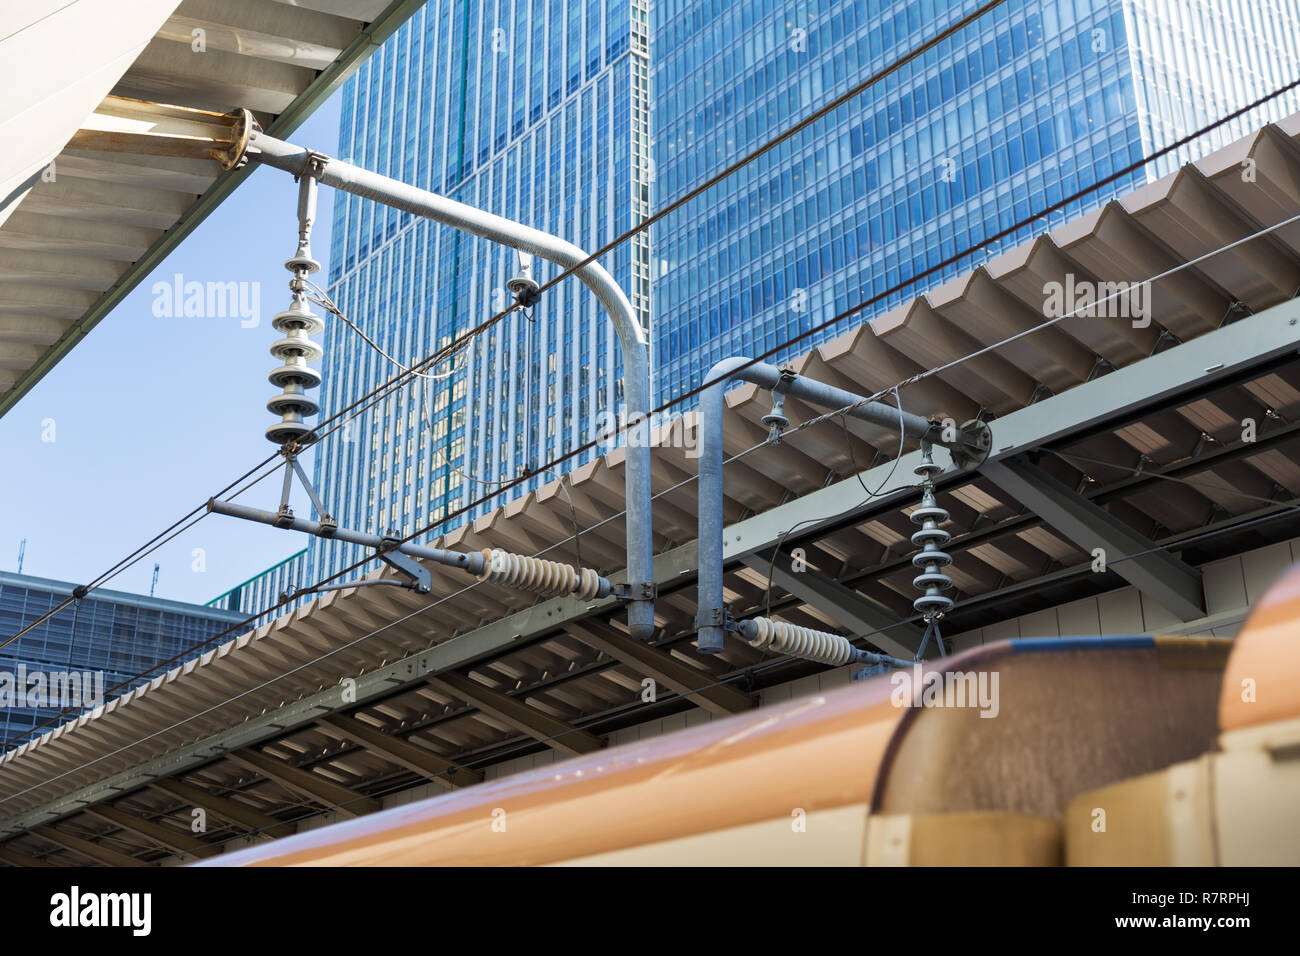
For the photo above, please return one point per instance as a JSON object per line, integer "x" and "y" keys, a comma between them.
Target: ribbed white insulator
{"x": 295, "y": 350}
{"x": 539, "y": 576}
{"x": 802, "y": 642}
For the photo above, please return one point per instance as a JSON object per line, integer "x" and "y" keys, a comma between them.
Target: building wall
{"x": 116, "y": 634}
{"x": 1195, "y": 61}
{"x": 264, "y": 590}
{"x": 1028, "y": 106}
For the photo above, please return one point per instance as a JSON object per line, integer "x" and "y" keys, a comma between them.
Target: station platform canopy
{"x": 83, "y": 219}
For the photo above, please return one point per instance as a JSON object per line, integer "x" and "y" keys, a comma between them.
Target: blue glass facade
{"x": 581, "y": 117}
{"x": 1019, "y": 110}
{"x": 263, "y": 590}
{"x": 114, "y": 634}
{"x": 536, "y": 110}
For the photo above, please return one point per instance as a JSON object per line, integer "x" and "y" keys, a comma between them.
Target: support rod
{"x": 711, "y": 622}
{"x": 639, "y": 594}
{"x": 494, "y": 566}
{"x": 473, "y": 561}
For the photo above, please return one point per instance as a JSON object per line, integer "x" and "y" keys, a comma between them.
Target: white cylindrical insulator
{"x": 295, "y": 350}
{"x": 539, "y": 576}
{"x": 803, "y": 642}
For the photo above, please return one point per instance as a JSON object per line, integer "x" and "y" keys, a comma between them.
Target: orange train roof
{"x": 820, "y": 752}
{"x": 1265, "y": 658}
{"x": 700, "y": 779}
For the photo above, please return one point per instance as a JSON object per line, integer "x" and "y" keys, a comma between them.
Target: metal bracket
{"x": 284, "y": 517}
{"x": 715, "y": 617}
{"x": 975, "y": 441}
{"x": 316, "y": 163}
{"x": 407, "y": 566}
{"x": 776, "y": 420}
{"x": 638, "y": 591}
{"x": 866, "y": 673}
{"x": 932, "y": 627}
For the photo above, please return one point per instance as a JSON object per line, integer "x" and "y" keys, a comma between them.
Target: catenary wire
{"x": 397, "y": 381}
{"x": 478, "y": 330}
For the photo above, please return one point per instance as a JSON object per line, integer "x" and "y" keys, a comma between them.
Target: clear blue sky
{"x": 153, "y": 415}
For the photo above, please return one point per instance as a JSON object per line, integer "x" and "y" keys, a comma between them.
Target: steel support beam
{"x": 721, "y": 700}
{"x": 169, "y": 838}
{"x": 121, "y": 125}
{"x": 1172, "y": 582}
{"x": 849, "y": 608}
{"x": 529, "y": 720}
{"x": 313, "y": 786}
{"x": 13, "y": 858}
{"x": 402, "y": 752}
{"x": 232, "y": 811}
{"x": 93, "y": 851}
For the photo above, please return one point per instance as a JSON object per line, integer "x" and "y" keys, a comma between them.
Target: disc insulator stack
{"x": 932, "y": 559}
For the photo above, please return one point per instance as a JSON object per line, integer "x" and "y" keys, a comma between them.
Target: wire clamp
{"x": 715, "y": 617}
{"x": 776, "y": 420}
{"x": 636, "y": 591}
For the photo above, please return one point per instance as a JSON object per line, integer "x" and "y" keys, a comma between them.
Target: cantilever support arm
{"x": 639, "y": 594}
{"x": 969, "y": 446}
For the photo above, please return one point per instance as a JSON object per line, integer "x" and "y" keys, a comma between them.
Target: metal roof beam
{"x": 1172, "y": 582}
{"x": 529, "y": 720}
{"x": 18, "y": 859}
{"x": 385, "y": 19}
{"x": 93, "y": 851}
{"x": 232, "y": 811}
{"x": 699, "y": 686}
{"x": 311, "y": 785}
{"x": 169, "y": 838}
{"x": 402, "y": 752}
{"x": 847, "y": 606}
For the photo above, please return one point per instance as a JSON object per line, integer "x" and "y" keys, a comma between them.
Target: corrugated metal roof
{"x": 96, "y": 222}
{"x": 1006, "y": 560}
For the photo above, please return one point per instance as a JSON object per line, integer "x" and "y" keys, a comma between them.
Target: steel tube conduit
{"x": 639, "y": 593}
{"x": 492, "y": 565}
{"x": 969, "y": 446}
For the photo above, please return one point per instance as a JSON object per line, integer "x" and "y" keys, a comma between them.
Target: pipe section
{"x": 711, "y": 622}
{"x": 639, "y": 593}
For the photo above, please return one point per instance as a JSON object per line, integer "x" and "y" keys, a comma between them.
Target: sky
{"x": 150, "y": 415}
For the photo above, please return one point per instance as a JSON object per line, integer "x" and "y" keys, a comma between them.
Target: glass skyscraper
{"x": 537, "y": 110}
{"x": 117, "y": 635}
{"x": 1028, "y": 105}
{"x": 579, "y": 118}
